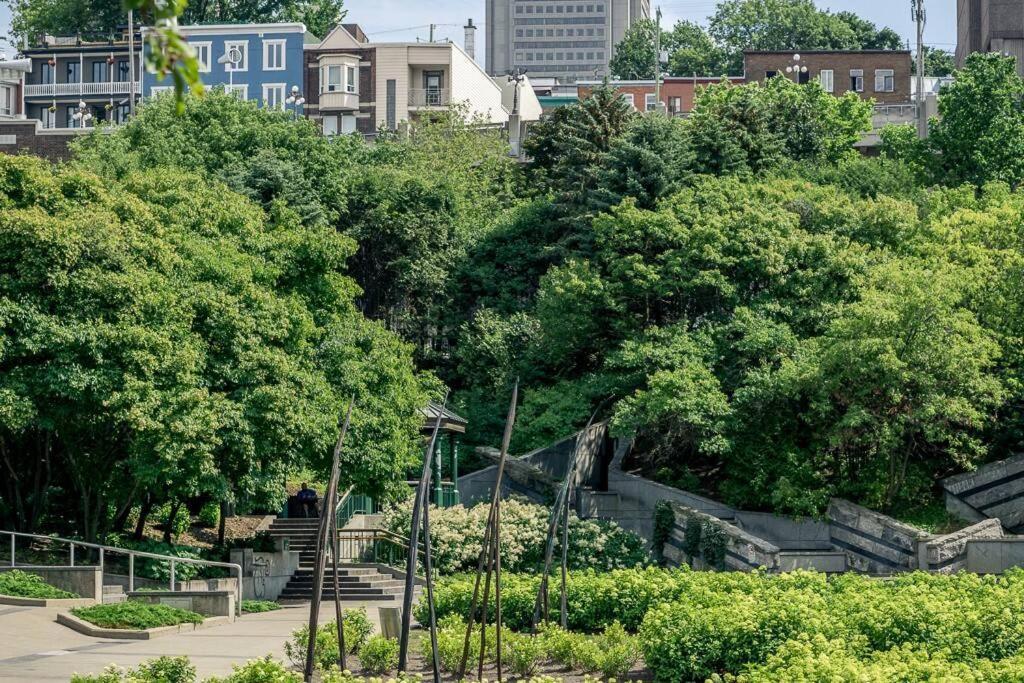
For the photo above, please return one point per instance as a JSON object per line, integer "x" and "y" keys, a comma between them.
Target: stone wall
{"x": 874, "y": 543}
{"x": 28, "y": 136}
{"x": 743, "y": 551}
{"x": 995, "y": 490}
{"x": 948, "y": 554}
{"x": 86, "y": 582}
{"x": 995, "y": 556}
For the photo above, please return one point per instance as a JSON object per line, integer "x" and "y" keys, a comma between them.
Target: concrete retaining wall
{"x": 264, "y": 575}
{"x": 207, "y": 603}
{"x": 948, "y": 554}
{"x": 86, "y": 582}
{"x": 827, "y": 561}
{"x": 789, "y": 533}
{"x": 874, "y": 543}
{"x": 993, "y": 490}
{"x": 995, "y": 556}
{"x": 743, "y": 551}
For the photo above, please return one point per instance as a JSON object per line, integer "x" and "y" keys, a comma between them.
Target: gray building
{"x": 562, "y": 39}
{"x": 990, "y": 26}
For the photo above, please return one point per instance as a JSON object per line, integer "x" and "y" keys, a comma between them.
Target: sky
{"x": 399, "y": 20}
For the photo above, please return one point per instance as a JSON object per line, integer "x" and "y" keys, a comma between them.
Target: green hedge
{"x": 136, "y": 615}
{"x": 21, "y": 584}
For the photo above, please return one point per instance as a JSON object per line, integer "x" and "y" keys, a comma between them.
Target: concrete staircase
{"x": 356, "y": 582}
{"x": 993, "y": 491}
{"x": 114, "y": 594}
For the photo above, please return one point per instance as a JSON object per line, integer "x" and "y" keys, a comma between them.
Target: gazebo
{"x": 446, "y": 493}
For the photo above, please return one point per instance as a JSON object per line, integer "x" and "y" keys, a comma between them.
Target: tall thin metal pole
{"x": 321, "y": 556}
{"x": 339, "y": 613}
{"x": 419, "y": 500}
{"x": 917, "y": 9}
{"x": 428, "y": 568}
{"x": 497, "y": 586}
{"x": 565, "y": 553}
{"x": 131, "y": 63}
{"x": 657, "y": 60}
{"x": 489, "y": 531}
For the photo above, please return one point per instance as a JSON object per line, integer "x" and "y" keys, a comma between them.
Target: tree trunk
{"x": 140, "y": 526}
{"x": 222, "y": 527}
{"x": 169, "y": 522}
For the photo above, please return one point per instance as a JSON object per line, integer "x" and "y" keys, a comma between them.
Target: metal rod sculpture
{"x": 428, "y": 567}
{"x": 559, "y": 511}
{"x": 491, "y": 547}
{"x": 327, "y": 511}
{"x": 339, "y": 614}
{"x": 419, "y": 502}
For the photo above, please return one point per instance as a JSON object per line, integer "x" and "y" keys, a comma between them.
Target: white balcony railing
{"x": 430, "y": 97}
{"x": 72, "y": 89}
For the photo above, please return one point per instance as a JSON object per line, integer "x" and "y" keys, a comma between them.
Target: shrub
{"x": 522, "y": 652}
{"x": 159, "y": 670}
{"x": 457, "y": 535}
{"x": 266, "y": 670}
{"x": 209, "y": 515}
{"x": 357, "y": 629}
{"x": 259, "y": 606}
{"x": 136, "y": 615}
{"x": 379, "y": 655}
{"x": 21, "y": 584}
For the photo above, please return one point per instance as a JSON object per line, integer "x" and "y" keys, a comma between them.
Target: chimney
{"x": 469, "y": 44}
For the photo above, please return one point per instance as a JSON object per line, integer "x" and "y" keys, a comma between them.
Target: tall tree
{"x": 692, "y": 52}
{"x": 938, "y": 62}
{"x": 635, "y": 56}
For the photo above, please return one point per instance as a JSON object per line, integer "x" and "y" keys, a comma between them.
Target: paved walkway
{"x": 34, "y": 647}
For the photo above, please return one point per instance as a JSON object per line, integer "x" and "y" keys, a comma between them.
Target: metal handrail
{"x": 132, "y": 554}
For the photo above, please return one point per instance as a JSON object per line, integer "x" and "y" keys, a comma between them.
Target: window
{"x": 273, "y": 95}
{"x": 519, "y": 32}
{"x": 157, "y": 90}
{"x": 559, "y": 9}
{"x": 529, "y": 9}
{"x": 650, "y": 103}
{"x": 590, "y": 55}
{"x": 771, "y": 73}
{"x": 100, "y": 73}
{"x": 330, "y": 80}
{"x": 46, "y": 75}
{"x": 49, "y": 118}
{"x": 6, "y": 101}
{"x": 550, "y": 9}
{"x": 348, "y": 124}
{"x": 273, "y": 55}
{"x": 570, "y": 9}
{"x": 803, "y": 77}
{"x": 628, "y": 97}
{"x": 600, "y": 8}
{"x": 857, "y": 80}
{"x": 123, "y": 71}
{"x": 242, "y": 55}
{"x": 827, "y": 79}
{"x": 330, "y": 125}
{"x": 675, "y": 105}
{"x": 884, "y": 80}
{"x": 122, "y": 112}
{"x": 239, "y": 91}
{"x": 69, "y": 115}
{"x": 74, "y": 75}
{"x": 519, "y": 9}
{"x": 203, "y": 52}
{"x": 600, "y": 32}
{"x": 351, "y": 80}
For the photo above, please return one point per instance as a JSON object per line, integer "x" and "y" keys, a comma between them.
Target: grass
{"x": 136, "y": 615}
{"x": 259, "y": 606}
{"x": 19, "y": 584}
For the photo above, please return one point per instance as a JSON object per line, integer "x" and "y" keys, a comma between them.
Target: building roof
{"x": 450, "y": 422}
{"x": 667, "y": 79}
{"x": 825, "y": 52}
{"x": 200, "y": 29}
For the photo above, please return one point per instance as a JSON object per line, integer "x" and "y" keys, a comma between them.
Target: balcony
{"x": 338, "y": 100}
{"x": 80, "y": 89}
{"x": 431, "y": 97}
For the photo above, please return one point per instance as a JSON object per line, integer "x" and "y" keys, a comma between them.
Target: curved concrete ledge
{"x": 84, "y": 627}
{"x": 46, "y": 602}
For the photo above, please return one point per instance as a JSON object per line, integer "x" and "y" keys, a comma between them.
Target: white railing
{"x": 70, "y": 89}
{"x": 102, "y": 550}
{"x": 429, "y": 97}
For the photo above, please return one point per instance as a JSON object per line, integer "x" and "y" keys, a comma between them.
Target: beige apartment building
{"x": 355, "y": 85}
{"x": 568, "y": 40}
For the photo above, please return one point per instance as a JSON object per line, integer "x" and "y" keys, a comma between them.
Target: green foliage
{"x": 457, "y": 537}
{"x": 259, "y": 606}
{"x": 938, "y": 62}
{"x": 159, "y": 670}
{"x": 664, "y": 522}
{"x": 357, "y": 629}
{"x": 634, "y": 57}
{"x": 261, "y": 671}
{"x": 379, "y": 655}
{"x": 209, "y": 514}
{"x": 979, "y": 135}
{"x": 21, "y": 584}
{"x": 135, "y": 615}
{"x": 692, "y": 51}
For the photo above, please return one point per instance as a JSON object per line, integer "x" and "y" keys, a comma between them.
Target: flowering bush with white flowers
{"x": 457, "y": 536}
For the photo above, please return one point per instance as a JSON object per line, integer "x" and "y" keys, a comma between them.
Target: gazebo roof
{"x": 450, "y": 422}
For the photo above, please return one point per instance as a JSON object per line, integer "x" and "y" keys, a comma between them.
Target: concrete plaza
{"x": 34, "y": 647}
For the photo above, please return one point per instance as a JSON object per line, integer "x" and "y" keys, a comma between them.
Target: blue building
{"x": 256, "y": 61}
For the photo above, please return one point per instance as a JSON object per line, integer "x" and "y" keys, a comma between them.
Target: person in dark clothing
{"x": 308, "y": 498}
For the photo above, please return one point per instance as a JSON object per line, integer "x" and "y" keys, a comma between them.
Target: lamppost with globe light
{"x": 82, "y": 115}
{"x": 796, "y": 68}
{"x": 234, "y": 58}
{"x": 295, "y": 99}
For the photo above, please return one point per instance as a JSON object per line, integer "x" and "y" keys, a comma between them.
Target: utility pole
{"x": 918, "y": 15}
{"x": 432, "y": 32}
{"x": 657, "y": 59}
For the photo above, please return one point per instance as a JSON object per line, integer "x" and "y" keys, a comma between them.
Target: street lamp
{"x": 234, "y": 58}
{"x": 296, "y": 99}
{"x": 82, "y": 114}
{"x": 796, "y": 68}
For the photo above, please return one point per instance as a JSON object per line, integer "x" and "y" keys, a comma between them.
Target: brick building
{"x": 28, "y": 136}
{"x": 677, "y": 93}
{"x": 882, "y": 75}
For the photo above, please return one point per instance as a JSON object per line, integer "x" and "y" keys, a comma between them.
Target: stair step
{"x": 116, "y": 589}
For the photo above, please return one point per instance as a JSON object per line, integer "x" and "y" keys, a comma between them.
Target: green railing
{"x": 352, "y": 504}
{"x": 449, "y": 495}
